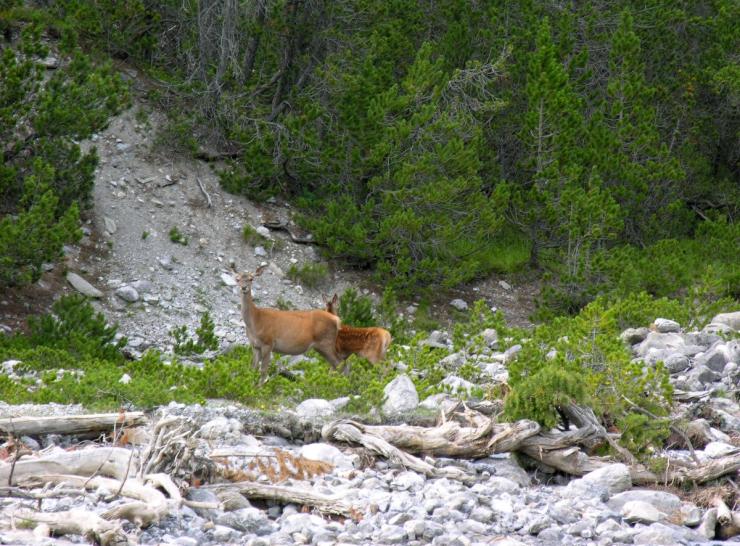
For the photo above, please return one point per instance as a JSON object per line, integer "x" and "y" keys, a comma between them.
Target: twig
{"x": 125, "y": 477}
{"x": 202, "y": 188}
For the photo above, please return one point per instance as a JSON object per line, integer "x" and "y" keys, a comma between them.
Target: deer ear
{"x": 334, "y": 299}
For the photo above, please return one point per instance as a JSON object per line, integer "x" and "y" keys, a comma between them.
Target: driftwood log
{"x": 70, "y": 424}
{"x": 290, "y": 495}
{"x": 105, "y": 461}
{"x": 78, "y": 522}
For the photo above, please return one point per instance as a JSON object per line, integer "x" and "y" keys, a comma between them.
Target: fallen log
{"x": 355, "y": 433}
{"x": 105, "y": 461}
{"x": 78, "y": 522}
{"x": 70, "y": 424}
{"x": 290, "y": 495}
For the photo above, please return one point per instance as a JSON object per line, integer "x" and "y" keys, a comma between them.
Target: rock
{"x": 248, "y": 520}
{"x": 408, "y": 481}
{"x": 143, "y": 286}
{"x": 220, "y": 428}
{"x": 457, "y": 384}
{"x": 634, "y": 335}
{"x": 668, "y": 503}
{"x": 339, "y": 403}
{"x": 708, "y": 524}
{"x": 641, "y": 512}
{"x": 260, "y": 251}
{"x": 437, "y": 340}
{"x": 703, "y": 375}
{"x": 459, "y": 304}
{"x": 490, "y": 337}
{"x": 611, "y": 479}
{"x": 392, "y": 534}
{"x": 166, "y": 263}
{"x": 30, "y": 443}
{"x": 656, "y": 340}
{"x": 717, "y": 328}
{"x": 125, "y": 379}
{"x": 690, "y": 514}
{"x": 715, "y": 450}
{"x": 400, "y": 396}
{"x": 128, "y": 293}
{"x": 729, "y": 319}
{"x": 328, "y": 454}
{"x": 665, "y": 326}
{"x": 498, "y": 484}
{"x": 110, "y": 225}
{"x": 435, "y": 401}
{"x": 9, "y": 365}
{"x": 511, "y": 352}
{"x": 676, "y": 363}
{"x": 265, "y": 232}
{"x": 661, "y": 533}
{"x": 82, "y": 286}
{"x": 315, "y": 408}
{"x": 505, "y": 285}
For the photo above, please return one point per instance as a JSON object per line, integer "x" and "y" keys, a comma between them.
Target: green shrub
{"x": 177, "y": 237}
{"x": 311, "y": 275}
{"x": 206, "y": 338}
{"x": 356, "y": 309}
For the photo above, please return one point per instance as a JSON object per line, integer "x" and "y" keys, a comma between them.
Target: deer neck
{"x": 249, "y": 309}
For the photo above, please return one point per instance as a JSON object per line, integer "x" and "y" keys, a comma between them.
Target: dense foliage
{"x": 411, "y": 133}
{"x": 45, "y": 178}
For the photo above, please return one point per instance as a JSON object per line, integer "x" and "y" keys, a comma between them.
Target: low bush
{"x": 311, "y": 275}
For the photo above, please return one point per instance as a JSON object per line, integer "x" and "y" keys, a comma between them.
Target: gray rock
{"x": 730, "y": 319}
{"x": 715, "y": 359}
{"x": 459, "y": 304}
{"x": 717, "y": 329}
{"x": 221, "y": 428}
{"x": 551, "y": 535}
{"x": 702, "y": 375}
{"x": 668, "y": 503}
{"x": 143, "y": 286}
{"x": 228, "y": 279}
{"x": 656, "y": 340}
{"x": 315, "y": 408}
{"x": 436, "y": 401}
{"x": 482, "y": 514}
{"x": 408, "y": 481}
{"x": 222, "y": 533}
{"x": 708, "y": 524}
{"x": 641, "y": 512}
{"x": 676, "y": 363}
{"x": 8, "y": 367}
{"x": 458, "y": 384}
{"x": 82, "y": 286}
{"x": 690, "y": 514}
{"x": 328, "y": 454}
{"x": 715, "y": 450}
{"x": 437, "y": 339}
{"x": 505, "y": 285}
{"x": 490, "y": 337}
{"x": 414, "y": 528}
{"x": 665, "y": 326}
{"x": 110, "y": 225}
{"x": 260, "y": 251}
{"x": 400, "y": 396}
{"x": 511, "y": 352}
{"x": 661, "y": 533}
{"x": 30, "y": 443}
{"x": 499, "y": 484}
{"x": 392, "y": 534}
{"x": 128, "y": 293}
{"x": 634, "y": 335}
{"x": 504, "y": 466}
{"x": 166, "y": 263}
{"x": 248, "y": 520}
{"x": 611, "y": 479}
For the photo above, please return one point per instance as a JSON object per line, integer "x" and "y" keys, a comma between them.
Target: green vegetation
{"x": 177, "y": 237}
{"x": 311, "y": 275}
{"x": 205, "y": 337}
{"x": 45, "y": 178}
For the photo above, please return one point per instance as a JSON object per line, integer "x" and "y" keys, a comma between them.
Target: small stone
{"x": 125, "y": 379}
{"x": 143, "y": 286}
{"x": 641, "y": 512}
{"x": 676, "y": 363}
{"x": 459, "y": 304}
{"x": 668, "y": 503}
{"x": 715, "y": 450}
{"x": 260, "y": 251}
{"x": 634, "y": 335}
{"x": 457, "y": 384}
{"x": 228, "y": 279}
{"x": 128, "y": 293}
{"x": 82, "y": 286}
{"x": 166, "y": 263}
{"x": 729, "y": 319}
{"x": 490, "y": 337}
{"x": 408, "y": 481}
{"x": 328, "y": 454}
{"x": 262, "y": 230}
{"x": 505, "y": 285}
{"x": 110, "y": 225}
{"x": 665, "y": 326}
{"x": 612, "y": 479}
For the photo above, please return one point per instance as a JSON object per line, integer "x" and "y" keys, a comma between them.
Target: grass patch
{"x": 509, "y": 251}
{"x": 311, "y": 275}
{"x": 176, "y": 236}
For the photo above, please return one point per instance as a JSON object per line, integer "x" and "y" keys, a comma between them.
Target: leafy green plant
{"x": 205, "y": 337}
{"x": 176, "y": 236}
{"x": 356, "y": 309}
{"x": 144, "y": 235}
{"x": 311, "y": 275}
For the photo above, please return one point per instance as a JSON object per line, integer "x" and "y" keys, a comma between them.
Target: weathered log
{"x": 450, "y": 439}
{"x": 70, "y": 424}
{"x": 290, "y": 495}
{"x": 78, "y": 522}
{"x": 352, "y": 432}
{"x": 106, "y": 461}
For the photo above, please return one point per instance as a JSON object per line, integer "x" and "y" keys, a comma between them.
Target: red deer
{"x": 286, "y": 332}
{"x": 371, "y": 343}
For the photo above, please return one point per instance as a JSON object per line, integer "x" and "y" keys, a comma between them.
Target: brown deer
{"x": 285, "y": 332}
{"x": 371, "y": 343}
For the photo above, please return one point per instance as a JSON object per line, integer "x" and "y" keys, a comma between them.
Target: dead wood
{"x": 79, "y": 522}
{"x": 70, "y": 424}
{"x": 106, "y": 461}
{"x": 355, "y": 433}
{"x": 290, "y": 495}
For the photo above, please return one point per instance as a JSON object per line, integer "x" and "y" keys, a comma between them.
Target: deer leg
{"x": 266, "y": 351}
{"x": 255, "y": 357}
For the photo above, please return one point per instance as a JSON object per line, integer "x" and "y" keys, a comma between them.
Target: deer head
{"x": 245, "y": 278}
{"x": 331, "y": 305}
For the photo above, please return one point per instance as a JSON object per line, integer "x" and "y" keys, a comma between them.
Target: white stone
{"x": 125, "y": 379}
{"x": 665, "y": 326}
{"x": 641, "y": 512}
{"x": 8, "y": 366}
{"x": 715, "y": 450}
{"x": 110, "y": 225}
{"x": 260, "y": 251}
{"x": 505, "y": 285}
{"x": 613, "y": 479}
{"x": 729, "y": 319}
{"x": 459, "y": 304}
{"x": 667, "y": 503}
{"x": 82, "y": 286}
{"x": 328, "y": 454}
{"x": 400, "y": 396}
{"x": 457, "y": 384}
{"x": 128, "y": 293}
{"x": 408, "y": 481}
{"x": 314, "y": 408}
{"x": 228, "y": 279}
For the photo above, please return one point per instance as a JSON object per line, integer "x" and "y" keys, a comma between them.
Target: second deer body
{"x": 371, "y": 343}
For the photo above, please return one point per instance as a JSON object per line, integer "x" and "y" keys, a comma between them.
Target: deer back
{"x": 295, "y": 331}
{"x": 370, "y": 343}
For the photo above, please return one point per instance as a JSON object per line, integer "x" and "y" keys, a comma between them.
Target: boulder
{"x": 400, "y": 396}
{"x": 665, "y": 502}
{"x": 315, "y": 408}
{"x": 641, "y": 512}
{"x": 611, "y": 479}
{"x": 459, "y": 304}
{"x": 634, "y": 335}
{"x": 665, "y": 326}
{"x": 729, "y": 319}
{"x": 82, "y": 286}
{"x": 128, "y": 294}
{"x": 656, "y": 340}
{"x": 328, "y": 454}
